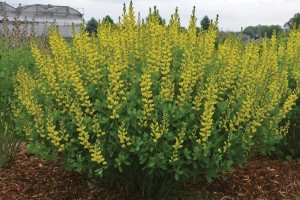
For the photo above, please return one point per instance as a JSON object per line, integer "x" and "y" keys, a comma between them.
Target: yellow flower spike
{"x": 71, "y": 76}
{"x": 24, "y": 91}
{"x": 54, "y": 136}
{"x": 167, "y": 85}
{"x": 206, "y": 117}
{"x": 244, "y": 114}
{"x": 96, "y": 153}
{"x": 287, "y": 106}
{"x": 156, "y": 133}
{"x": 123, "y": 136}
{"x": 178, "y": 144}
{"x": 247, "y": 72}
{"x": 174, "y": 28}
{"x": 81, "y": 128}
{"x": 229, "y": 57}
{"x": 146, "y": 91}
{"x": 96, "y": 128}
{"x": 192, "y": 69}
{"x": 116, "y": 91}
{"x": 128, "y": 36}
{"x": 86, "y": 52}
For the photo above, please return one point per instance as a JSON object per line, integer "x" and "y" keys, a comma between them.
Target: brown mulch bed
{"x": 261, "y": 178}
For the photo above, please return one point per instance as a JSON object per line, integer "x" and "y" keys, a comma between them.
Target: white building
{"x": 287, "y": 26}
{"x": 42, "y": 16}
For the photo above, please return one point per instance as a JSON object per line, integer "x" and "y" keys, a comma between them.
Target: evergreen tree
{"x": 296, "y": 20}
{"x": 205, "y": 22}
{"x": 91, "y": 26}
{"x": 107, "y": 18}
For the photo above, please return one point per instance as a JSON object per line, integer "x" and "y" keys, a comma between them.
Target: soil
{"x": 29, "y": 178}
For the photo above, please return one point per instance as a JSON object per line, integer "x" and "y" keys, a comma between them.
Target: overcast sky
{"x": 234, "y": 14}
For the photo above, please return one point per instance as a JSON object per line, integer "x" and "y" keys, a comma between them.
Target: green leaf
{"x": 97, "y": 105}
{"x": 129, "y": 111}
{"x": 87, "y": 120}
{"x": 103, "y": 120}
{"x": 152, "y": 162}
{"x": 126, "y": 162}
{"x": 289, "y": 158}
{"x": 229, "y": 163}
{"x": 120, "y": 169}
{"x": 187, "y": 154}
{"x": 192, "y": 116}
{"x": 2, "y": 75}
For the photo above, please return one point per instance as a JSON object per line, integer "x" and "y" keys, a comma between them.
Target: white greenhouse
{"x": 39, "y": 17}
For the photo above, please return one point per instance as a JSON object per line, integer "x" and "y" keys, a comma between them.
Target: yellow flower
{"x": 157, "y": 130}
{"x": 96, "y": 153}
{"x": 146, "y": 91}
{"x": 209, "y": 108}
{"x": 179, "y": 140}
{"x": 123, "y": 136}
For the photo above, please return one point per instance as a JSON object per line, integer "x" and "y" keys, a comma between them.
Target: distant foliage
{"x": 92, "y": 26}
{"x": 108, "y": 19}
{"x": 296, "y": 20}
{"x": 261, "y": 31}
{"x": 205, "y": 22}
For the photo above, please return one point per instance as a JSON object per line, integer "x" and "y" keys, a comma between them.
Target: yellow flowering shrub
{"x": 289, "y": 56}
{"x": 146, "y": 103}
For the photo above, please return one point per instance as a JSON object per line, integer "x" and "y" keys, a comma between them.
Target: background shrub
{"x": 14, "y": 51}
{"x": 289, "y": 147}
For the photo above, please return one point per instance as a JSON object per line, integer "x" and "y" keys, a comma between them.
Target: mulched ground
{"x": 261, "y": 178}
